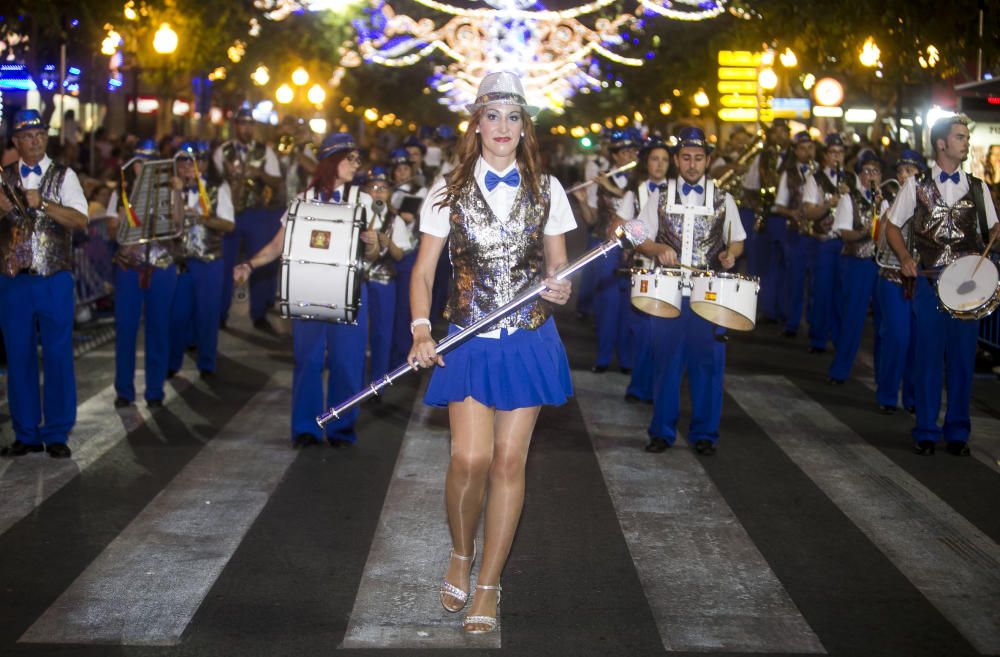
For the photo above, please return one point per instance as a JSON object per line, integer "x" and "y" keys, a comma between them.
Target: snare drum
{"x": 321, "y": 262}
{"x": 726, "y": 299}
{"x": 658, "y": 292}
{"x": 965, "y": 295}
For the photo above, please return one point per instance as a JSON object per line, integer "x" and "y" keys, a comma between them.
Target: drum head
{"x": 722, "y": 316}
{"x": 655, "y": 307}
{"x": 960, "y": 290}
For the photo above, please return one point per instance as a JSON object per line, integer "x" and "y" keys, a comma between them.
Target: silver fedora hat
{"x": 501, "y": 88}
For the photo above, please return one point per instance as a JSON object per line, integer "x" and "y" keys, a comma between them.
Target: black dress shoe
{"x": 657, "y": 445}
{"x": 154, "y": 404}
{"x": 817, "y": 350}
{"x": 788, "y": 334}
{"x": 206, "y": 374}
{"x": 171, "y": 374}
{"x": 17, "y": 448}
{"x": 121, "y": 402}
{"x": 264, "y": 326}
{"x": 924, "y": 447}
{"x": 912, "y": 410}
{"x": 835, "y": 382}
{"x": 631, "y": 399}
{"x": 957, "y": 448}
{"x": 886, "y": 410}
{"x": 305, "y": 440}
{"x": 704, "y": 447}
{"x": 599, "y": 369}
{"x": 626, "y": 370}
{"x": 59, "y": 450}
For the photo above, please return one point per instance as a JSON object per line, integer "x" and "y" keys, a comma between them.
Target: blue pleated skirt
{"x": 522, "y": 369}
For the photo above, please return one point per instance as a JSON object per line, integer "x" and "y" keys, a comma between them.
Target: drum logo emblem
{"x": 643, "y": 287}
{"x": 709, "y": 296}
{"x": 320, "y": 239}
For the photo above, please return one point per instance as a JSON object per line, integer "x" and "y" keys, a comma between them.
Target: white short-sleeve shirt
{"x": 844, "y": 216}
{"x": 71, "y": 193}
{"x": 436, "y": 221}
{"x": 906, "y": 200}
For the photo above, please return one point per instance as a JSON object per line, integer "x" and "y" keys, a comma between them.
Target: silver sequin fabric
{"x": 864, "y": 247}
{"x": 709, "y": 240}
{"x": 942, "y": 233}
{"x": 37, "y": 242}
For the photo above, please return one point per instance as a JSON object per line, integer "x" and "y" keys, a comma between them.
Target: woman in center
{"x": 504, "y": 223}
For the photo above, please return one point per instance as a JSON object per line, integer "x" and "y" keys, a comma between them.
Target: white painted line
{"x": 146, "y": 586}
{"x": 948, "y": 559}
{"x": 707, "y": 584}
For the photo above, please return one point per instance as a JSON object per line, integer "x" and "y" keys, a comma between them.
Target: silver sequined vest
{"x": 709, "y": 239}
{"x": 199, "y": 241}
{"x": 247, "y": 193}
{"x": 862, "y": 208}
{"x": 493, "y": 259}
{"x": 942, "y": 233}
{"x": 37, "y": 242}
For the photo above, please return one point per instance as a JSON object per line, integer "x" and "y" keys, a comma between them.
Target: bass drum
{"x": 968, "y": 288}
{"x": 321, "y": 263}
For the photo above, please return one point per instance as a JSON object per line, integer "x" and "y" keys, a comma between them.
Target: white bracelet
{"x": 419, "y": 321}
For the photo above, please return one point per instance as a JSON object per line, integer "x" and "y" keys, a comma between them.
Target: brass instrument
{"x": 732, "y": 180}
{"x": 885, "y": 257}
{"x": 16, "y": 196}
{"x": 286, "y": 144}
{"x": 148, "y": 201}
{"x": 241, "y": 185}
{"x": 770, "y": 176}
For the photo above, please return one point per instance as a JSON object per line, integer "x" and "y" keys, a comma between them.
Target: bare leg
{"x": 512, "y": 436}
{"x": 465, "y": 485}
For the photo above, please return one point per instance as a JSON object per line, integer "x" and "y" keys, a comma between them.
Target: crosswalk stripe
{"x": 146, "y": 586}
{"x": 397, "y": 604}
{"x": 949, "y": 560}
{"x": 99, "y": 427}
{"x": 714, "y": 590}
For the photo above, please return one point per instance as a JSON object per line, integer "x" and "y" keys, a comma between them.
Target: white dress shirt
{"x": 906, "y": 200}
{"x": 627, "y": 210}
{"x": 436, "y": 221}
{"x": 71, "y": 193}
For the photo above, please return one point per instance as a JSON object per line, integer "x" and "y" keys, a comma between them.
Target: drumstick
{"x": 983, "y": 257}
{"x": 690, "y": 268}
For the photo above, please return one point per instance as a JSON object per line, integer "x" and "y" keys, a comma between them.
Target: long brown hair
{"x": 324, "y": 179}
{"x": 470, "y": 147}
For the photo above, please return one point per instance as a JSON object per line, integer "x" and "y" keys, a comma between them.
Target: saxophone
{"x": 732, "y": 180}
{"x": 770, "y": 176}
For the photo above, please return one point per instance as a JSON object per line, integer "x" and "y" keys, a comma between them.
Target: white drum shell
{"x": 726, "y": 299}
{"x": 658, "y": 292}
{"x": 964, "y": 301}
{"x": 321, "y": 262}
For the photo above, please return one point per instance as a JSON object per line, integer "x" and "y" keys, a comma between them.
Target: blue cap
{"x": 623, "y": 139}
{"x": 652, "y": 143}
{"x": 336, "y": 142}
{"x": 834, "y": 139}
{"x": 196, "y": 148}
{"x": 399, "y": 156}
{"x": 146, "y": 148}
{"x": 425, "y": 132}
{"x": 913, "y": 158}
{"x": 243, "y": 114}
{"x": 802, "y": 137}
{"x": 413, "y": 141}
{"x": 692, "y": 137}
{"x": 28, "y": 119}
{"x": 378, "y": 173}
{"x": 866, "y": 157}
{"x": 445, "y": 132}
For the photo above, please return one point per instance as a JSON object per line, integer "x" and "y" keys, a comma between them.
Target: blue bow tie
{"x": 333, "y": 196}
{"x": 943, "y": 177}
{"x": 492, "y": 180}
{"x": 687, "y": 189}
{"x": 621, "y": 176}
{"x": 26, "y": 170}
{"x": 868, "y": 194}
{"x": 652, "y": 186}
{"x": 803, "y": 168}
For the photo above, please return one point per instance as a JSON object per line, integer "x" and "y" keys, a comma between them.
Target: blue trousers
{"x": 896, "y": 345}
{"x": 340, "y": 348}
{"x": 33, "y": 307}
{"x": 131, "y": 304}
{"x": 381, "y": 316}
{"x": 401, "y": 338}
{"x": 585, "y": 293}
{"x": 772, "y": 261}
{"x": 641, "y": 384}
{"x": 194, "y": 318}
{"x": 858, "y": 294}
{"x": 255, "y": 227}
{"x": 612, "y": 307}
{"x": 946, "y": 349}
{"x": 750, "y": 245}
{"x": 800, "y": 251}
{"x": 688, "y": 344}
{"x": 824, "y": 293}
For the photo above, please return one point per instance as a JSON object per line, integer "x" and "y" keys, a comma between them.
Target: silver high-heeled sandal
{"x": 452, "y": 591}
{"x": 489, "y": 621}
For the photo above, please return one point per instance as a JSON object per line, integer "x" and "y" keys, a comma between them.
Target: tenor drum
{"x": 658, "y": 292}
{"x": 967, "y": 295}
{"x": 321, "y": 262}
{"x": 729, "y": 300}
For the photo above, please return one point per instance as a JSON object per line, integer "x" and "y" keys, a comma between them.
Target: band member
{"x": 252, "y": 170}
{"x": 41, "y": 205}
{"x": 145, "y": 280}
{"x": 611, "y": 291}
{"x": 822, "y": 194}
{"x": 760, "y": 188}
{"x": 856, "y": 212}
{"x": 393, "y": 243}
{"x": 297, "y": 156}
{"x": 792, "y": 275}
{"x": 696, "y": 225}
{"x": 951, "y": 211}
{"x": 651, "y": 175}
{"x": 416, "y": 149}
{"x": 207, "y": 215}
{"x": 593, "y": 168}
{"x": 338, "y": 347}
{"x": 896, "y": 344}
{"x": 495, "y": 383}
{"x": 401, "y": 175}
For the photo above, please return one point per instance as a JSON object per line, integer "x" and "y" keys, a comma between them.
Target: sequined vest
{"x": 383, "y": 270}
{"x": 607, "y": 205}
{"x": 36, "y": 242}
{"x": 709, "y": 239}
{"x": 247, "y": 193}
{"x": 862, "y": 209}
{"x": 493, "y": 259}
{"x": 942, "y": 233}
{"x": 199, "y": 241}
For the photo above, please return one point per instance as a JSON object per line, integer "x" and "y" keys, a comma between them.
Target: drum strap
{"x": 976, "y": 186}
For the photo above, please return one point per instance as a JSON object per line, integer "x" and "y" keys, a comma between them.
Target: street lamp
{"x": 165, "y": 40}
{"x": 316, "y": 94}
{"x": 701, "y": 98}
{"x": 284, "y": 94}
{"x": 788, "y": 58}
{"x": 869, "y": 53}
{"x": 300, "y": 77}
{"x": 666, "y": 107}
{"x": 261, "y": 76}
{"x": 767, "y": 79}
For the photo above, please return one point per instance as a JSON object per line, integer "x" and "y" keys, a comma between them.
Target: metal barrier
{"x": 989, "y": 330}
{"x": 92, "y": 268}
